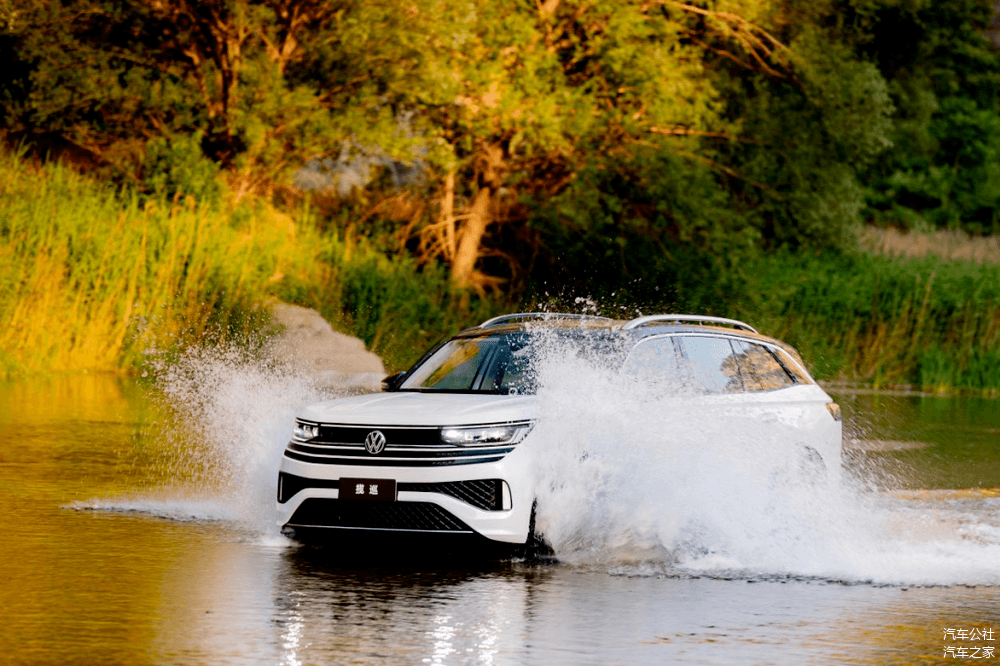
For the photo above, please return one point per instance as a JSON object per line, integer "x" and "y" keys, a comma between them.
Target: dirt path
{"x": 309, "y": 342}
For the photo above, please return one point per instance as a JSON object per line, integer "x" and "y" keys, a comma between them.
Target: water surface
{"x": 140, "y": 530}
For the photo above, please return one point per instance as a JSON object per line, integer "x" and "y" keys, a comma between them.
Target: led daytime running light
{"x": 498, "y": 434}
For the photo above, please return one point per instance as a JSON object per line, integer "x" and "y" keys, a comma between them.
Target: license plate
{"x": 371, "y": 490}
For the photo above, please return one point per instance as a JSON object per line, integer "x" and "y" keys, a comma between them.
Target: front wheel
{"x": 536, "y": 547}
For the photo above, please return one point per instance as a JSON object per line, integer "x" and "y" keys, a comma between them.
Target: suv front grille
{"x": 484, "y": 494}
{"x": 385, "y": 516}
{"x": 411, "y": 446}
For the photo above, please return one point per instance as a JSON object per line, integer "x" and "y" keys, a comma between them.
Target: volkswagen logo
{"x": 375, "y": 442}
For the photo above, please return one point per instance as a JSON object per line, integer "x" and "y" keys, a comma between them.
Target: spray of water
{"x": 232, "y": 414}
{"x": 239, "y": 413}
{"x": 634, "y": 481}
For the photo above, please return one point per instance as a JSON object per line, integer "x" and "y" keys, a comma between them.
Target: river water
{"x": 138, "y": 528}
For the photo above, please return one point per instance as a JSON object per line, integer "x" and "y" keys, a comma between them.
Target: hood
{"x": 422, "y": 409}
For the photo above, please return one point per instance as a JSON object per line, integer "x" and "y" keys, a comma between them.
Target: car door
{"x": 741, "y": 379}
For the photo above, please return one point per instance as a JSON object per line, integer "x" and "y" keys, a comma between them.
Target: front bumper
{"x": 490, "y": 499}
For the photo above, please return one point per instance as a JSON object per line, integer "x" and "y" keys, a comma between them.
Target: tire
{"x": 536, "y": 548}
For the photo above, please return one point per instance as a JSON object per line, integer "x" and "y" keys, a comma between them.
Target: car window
{"x": 687, "y": 363}
{"x": 793, "y": 364}
{"x": 711, "y": 364}
{"x": 488, "y": 364}
{"x": 760, "y": 368}
{"x": 453, "y": 367}
{"x": 518, "y": 373}
{"x": 655, "y": 359}
{"x": 511, "y": 369}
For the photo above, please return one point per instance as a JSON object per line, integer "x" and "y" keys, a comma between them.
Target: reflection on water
{"x": 933, "y": 442}
{"x": 401, "y": 614}
{"x": 108, "y": 560}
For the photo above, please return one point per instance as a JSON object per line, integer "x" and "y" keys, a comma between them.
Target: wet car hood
{"x": 422, "y": 409}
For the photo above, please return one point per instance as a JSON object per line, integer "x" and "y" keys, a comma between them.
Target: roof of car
{"x": 640, "y": 327}
{"x": 520, "y": 321}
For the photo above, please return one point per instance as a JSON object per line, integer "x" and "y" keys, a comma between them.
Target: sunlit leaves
{"x": 783, "y": 110}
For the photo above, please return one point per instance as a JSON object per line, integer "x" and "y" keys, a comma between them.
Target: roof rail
{"x": 652, "y": 319}
{"x": 523, "y": 316}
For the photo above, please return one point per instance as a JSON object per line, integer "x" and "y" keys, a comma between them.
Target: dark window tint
{"x": 711, "y": 364}
{"x": 512, "y": 370}
{"x": 761, "y": 370}
{"x": 494, "y": 364}
{"x": 455, "y": 366}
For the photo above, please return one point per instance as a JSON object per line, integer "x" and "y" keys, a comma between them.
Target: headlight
{"x": 305, "y": 431}
{"x": 478, "y": 435}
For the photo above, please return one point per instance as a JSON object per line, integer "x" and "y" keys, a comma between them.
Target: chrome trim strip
{"x": 528, "y": 316}
{"x": 330, "y": 424}
{"x": 437, "y": 451}
{"x": 373, "y": 461}
{"x": 649, "y": 319}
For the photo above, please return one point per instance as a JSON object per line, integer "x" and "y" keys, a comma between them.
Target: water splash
{"x": 633, "y": 482}
{"x": 233, "y": 412}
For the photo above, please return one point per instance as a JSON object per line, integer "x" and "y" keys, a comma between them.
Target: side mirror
{"x": 392, "y": 382}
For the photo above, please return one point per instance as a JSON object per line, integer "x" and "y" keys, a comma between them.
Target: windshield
{"x": 506, "y": 363}
{"x": 491, "y": 364}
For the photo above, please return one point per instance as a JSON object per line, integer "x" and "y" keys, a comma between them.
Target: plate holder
{"x": 368, "y": 490}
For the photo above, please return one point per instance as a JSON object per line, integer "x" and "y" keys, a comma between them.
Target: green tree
{"x": 710, "y": 126}
{"x": 943, "y": 170}
{"x": 549, "y": 88}
{"x": 109, "y": 76}
{"x": 527, "y": 96}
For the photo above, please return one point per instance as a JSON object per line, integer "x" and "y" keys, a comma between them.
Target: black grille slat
{"x": 289, "y": 485}
{"x": 337, "y": 434}
{"x": 394, "y": 452}
{"x": 416, "y": 446}
{"x": 395, "y": 516}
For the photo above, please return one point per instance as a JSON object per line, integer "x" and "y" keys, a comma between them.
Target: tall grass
{"x": 90, "y": 278}
{"x": 947, "y": 244}
{"x": 925, "y": 322}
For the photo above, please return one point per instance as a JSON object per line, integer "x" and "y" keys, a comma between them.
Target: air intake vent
{"x": 385, "y": 516}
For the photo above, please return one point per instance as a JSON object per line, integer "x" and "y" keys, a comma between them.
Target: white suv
{"x": 438, "y": 453}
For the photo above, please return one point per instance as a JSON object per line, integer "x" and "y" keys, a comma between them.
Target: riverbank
{"x": 92, "y": 278}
